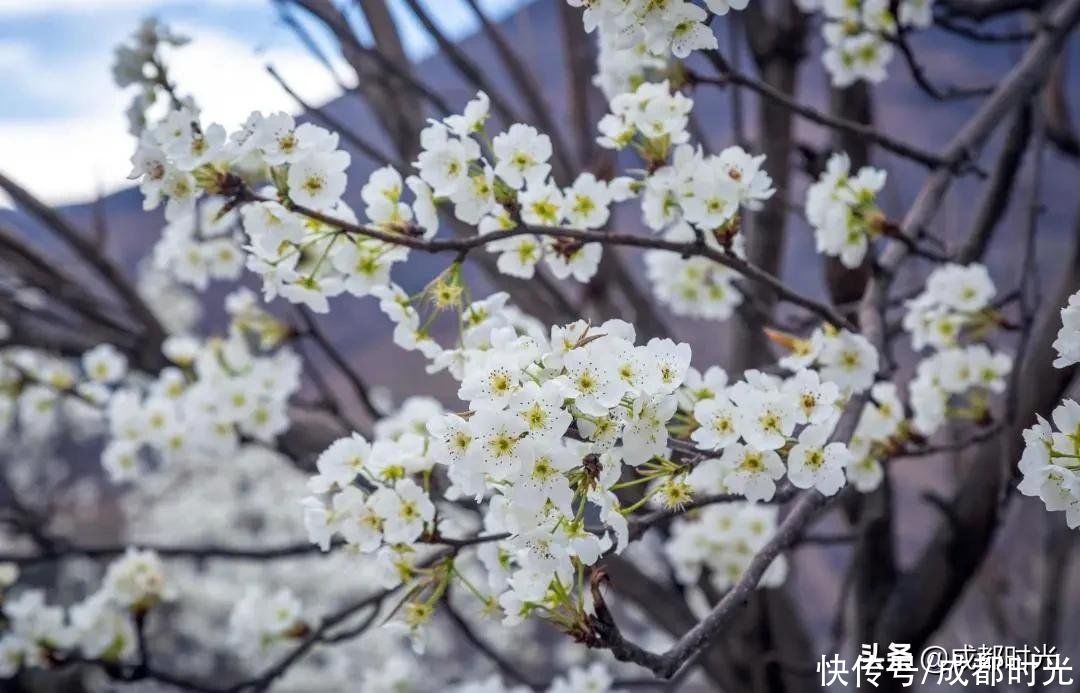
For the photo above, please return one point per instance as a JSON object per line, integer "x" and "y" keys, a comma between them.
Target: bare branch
{"x": 908, "y": 151}
{"x": 152, "y": 332}
{"x": 669, "y": 663}
{"x": 369, "y": 150}
{"x": 995, "y": 199}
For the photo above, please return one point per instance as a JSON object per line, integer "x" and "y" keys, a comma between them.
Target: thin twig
{"x": 729, "y": 76}
{"x": 693, "y": 248}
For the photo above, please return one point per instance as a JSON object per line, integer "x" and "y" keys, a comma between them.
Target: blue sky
{"x": 62, "y": 128}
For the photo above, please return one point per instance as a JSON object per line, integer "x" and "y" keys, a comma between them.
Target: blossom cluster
{"x": 842, "y": 209}
{"x": 306, "y": 259}
{"x": 621, "y": 68}
{"x": 101, "y": 626}
{"x": 41, "y": 394}
{"x": 677, "y": 26}
{"x": 217, "y": 393}
{"x": 954, "y": 306}
{"x": 260, "y": 620}
{"x": 525, "y": 390}
{"x": 201, "y": 246}
{"x": 851, "y": 362}
{"x": 564, "y": 432}
{"x": 753, "y": 421}
{"x": 1067, "y": 343}
{"x": 140, "y": 63}
{"x": 685, "y": 196}
{"x": 859, "y": 35}
{"x": 307, "y": 245}
{"x": 176, "y": 306}
{"x": 956, "y": 300}
{"x": 395, "y": 511}
{"x": 840, "y": 356}
{"x": 723, "y": 539}
{"x": 695, "y": 287}
{"x": 1050, "y": 464}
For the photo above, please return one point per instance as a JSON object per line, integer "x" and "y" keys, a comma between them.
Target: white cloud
{"x": 37, "y": 7}
{"x": 71, "y": 159}
{"x": 14, "y": 54}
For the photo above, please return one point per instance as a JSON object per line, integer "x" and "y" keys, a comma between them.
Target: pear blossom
{"x": 751, "y": 472}
{"x": 1067, "y": 343}
{"x": 318, "y": 180}
{"x": 521, "y": 156}
{"x": 815, "y": 463}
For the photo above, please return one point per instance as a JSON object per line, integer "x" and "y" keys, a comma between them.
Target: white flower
{"x": 358, "y": 519}
{"x": 918, "y": 13}
{"x": 689, "y": 32}
{"x": 365, "y": 264}
{"x": 753, "y": 473}
{"x": 842, "y": 209}
{"x": 318, "y": 180}
{"x": 753, "y": 184}
{"x": 1067, "y": 343}
{"x": 341, "y": 463}
{"x": 715, "y": 196}
{"x": 496, "y": 442}
{"x": 579, "y": 260}
{"x": 989, "y": 369}
{"x": 521, "y": 156}
{"x": 541, "y": 408}
{"x": 475, "y": 197}
{"x": 120, "y": 459}
{"x": 197, "y": 147}
{"x": 473, "y": 119}
{"x": 103, "y": 631}
{"x": 816, "y": 463}
{"x": 594, "y": 679}
{"x": 718, "y": 419}
{"x": 849, "y": 360}
{"x": 645, "y": 432}
{"x": 258, "y": 620}
{"x": 276, "y": 137}
{"x": 491, "y": 379}
{"x": 445, "y": 161}
{"x": 585, "y": 204}
{"x": 104, "y": 363}
{"x": 382, "y": 195}
{"x": 136, "y": 580}
{"x": 594, "y": 379}
{"x": 722, "y": 7}
{"x": 318, "y": 522}
{"x": 423, "y": 208}
{"x": 673, "y": 362}
{"x": 863, "y": 56}
{"x": 404, "y": 510}
{"x": 542, "y": 478}
{"x": 541, "y": 205}
{"x": 9, "y": 573}
{"x": 816, "y": 401}
{"x": 865, "y": 473}
{"x": 518, "y": 255}
{"x": 882, "y": 416}
{"x": 766, "y": 418}
{"x": 1048, "y": 462}
{"x": 694, "y": 287}
{"x": 656, "y": 111}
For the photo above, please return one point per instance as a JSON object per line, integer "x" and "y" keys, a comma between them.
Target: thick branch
{"x": 668, "y": 664}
